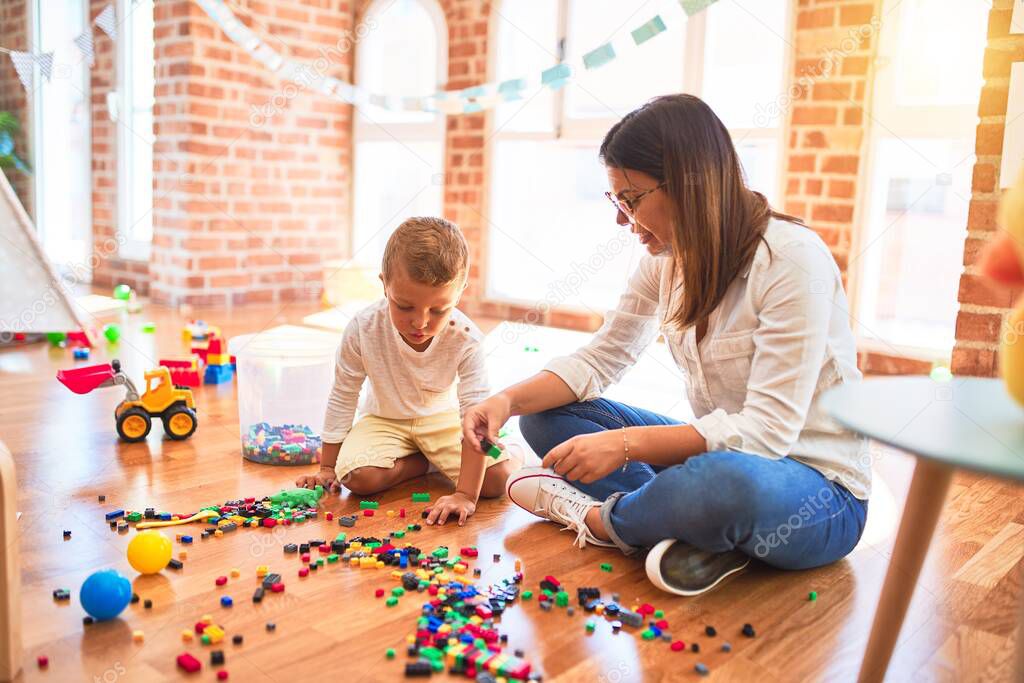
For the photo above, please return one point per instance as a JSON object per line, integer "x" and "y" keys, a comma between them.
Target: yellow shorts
{"x": 380, "y": 441}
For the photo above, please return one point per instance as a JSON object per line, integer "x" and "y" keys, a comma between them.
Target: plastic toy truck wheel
{"x": 180, "y": 422}
{"x": 134, "y": 425}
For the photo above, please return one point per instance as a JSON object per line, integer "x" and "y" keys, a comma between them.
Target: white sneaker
{"x": 541, "y": 492}
{"x": 676, "y": 567}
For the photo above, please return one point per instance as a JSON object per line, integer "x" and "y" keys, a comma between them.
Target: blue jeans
{"x": 780, "y": 511}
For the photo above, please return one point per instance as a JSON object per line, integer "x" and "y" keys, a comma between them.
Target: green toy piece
{"x": 369, "y": 505}
{"x": 812, "y": 596}
{"x": 421, "y": 497}
{"x": 308, "y": 498}
{"x": 122, "y": 292}
{"x": 56, "y": 338}
{"x": 112, "y": 332}
{"x": 149, "y": 327}
{"x": 605, "y": 567}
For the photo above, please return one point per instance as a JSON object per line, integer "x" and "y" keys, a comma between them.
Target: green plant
{"x": 8, "y": 157}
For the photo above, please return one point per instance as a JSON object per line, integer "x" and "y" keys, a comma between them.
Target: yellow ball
{"x": 149, "y": 552}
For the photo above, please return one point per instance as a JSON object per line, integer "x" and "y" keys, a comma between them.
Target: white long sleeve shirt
{"x": 404, "y": 383}
{"x": 778, "y": 340}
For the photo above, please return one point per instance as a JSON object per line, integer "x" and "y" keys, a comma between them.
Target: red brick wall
{"x": 983, "y": 309}
{"x": 835, "y": 42}
{"x": 247, "y": 205}
{"x": 14, "y": 36}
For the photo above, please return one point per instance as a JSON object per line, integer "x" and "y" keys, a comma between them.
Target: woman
{"x": 751, "y": 305}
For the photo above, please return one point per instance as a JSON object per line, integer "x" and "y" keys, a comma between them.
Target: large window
{"x": 921, "y": 134}
{"x": 61, "y": 137}
{"x": 552, "y": 234}
{"x": 399, "y": 156}
{"x": 134, "y": 114}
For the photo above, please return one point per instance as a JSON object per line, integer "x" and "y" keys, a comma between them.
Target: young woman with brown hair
{"x": 751, "y": 305}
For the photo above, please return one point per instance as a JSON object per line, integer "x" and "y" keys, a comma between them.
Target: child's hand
{"x": 324, "y": 477}
{"x": 456, "y": 503}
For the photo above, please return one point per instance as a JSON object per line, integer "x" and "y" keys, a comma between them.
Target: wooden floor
{"x": 961, "y": 626}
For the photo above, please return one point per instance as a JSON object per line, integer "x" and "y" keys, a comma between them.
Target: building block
{"x": 184, "y": 372}
{"x": 422, "y": 497}
{"x": 217, "y": 374}
{"x": 188, "y": 663}
{"x": 369, "y": 505}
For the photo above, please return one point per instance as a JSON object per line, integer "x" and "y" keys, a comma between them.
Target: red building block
{"x": 189, "y": 663}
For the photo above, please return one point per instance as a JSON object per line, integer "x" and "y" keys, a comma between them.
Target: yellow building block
{"x": 235, "y": 573}
{"x": 215, "y": 632}
{"x": 218, "y": 359}
{"x": 186, "y": 635}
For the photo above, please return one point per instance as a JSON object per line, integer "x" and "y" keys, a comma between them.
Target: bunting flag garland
{"x": 107, "y": 21}
{"x": 465, "y": 101}
{"x": 85, "y": 45}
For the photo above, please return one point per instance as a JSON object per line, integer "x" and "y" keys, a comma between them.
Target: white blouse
{"x": 778, "y": 340}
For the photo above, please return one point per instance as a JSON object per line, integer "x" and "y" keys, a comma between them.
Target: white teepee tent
{"x": 32, "y": 298}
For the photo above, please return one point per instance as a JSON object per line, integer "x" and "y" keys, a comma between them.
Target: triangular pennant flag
{"x": 84, "y": 42}
{"x": 23, "y": 63}
{"x": 107, "y": 21}
{"x": 45, "y": 61}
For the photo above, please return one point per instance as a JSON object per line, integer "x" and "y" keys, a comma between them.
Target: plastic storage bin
{"x": 284, "y": 379}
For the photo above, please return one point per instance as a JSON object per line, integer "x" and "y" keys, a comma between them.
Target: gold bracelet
{"x": 625, "y": 450}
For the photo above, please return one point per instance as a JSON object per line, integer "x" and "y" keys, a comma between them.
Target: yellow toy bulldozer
{"x": 175, "y": 406}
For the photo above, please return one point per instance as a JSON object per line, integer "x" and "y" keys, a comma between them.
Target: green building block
{"x": 332, "y": 558}
{"x": 398, "y": 591}
{"x": 562, "y": 599}
{"x": 340, "y": 538}
{"x": 527, "y": 595}
{"x": 391, "y": 602}
{"x": 440, "y": 553}
{"x": 422, "y": 497}
{"x": 812, "y": 596}
{"x": 647, "y": 634}
{"x": 390, "y": 653}
{"x": 149, "y": 327}
{"x": 606, "y": 567}
{"x": 135, "y": 517}
{"x": 659, "y": 614}
{"x": 205, "y": 639}
{"x": 398, "y": 534}
{"x": 369, "y": 505}
{"x": 591, "y": 625}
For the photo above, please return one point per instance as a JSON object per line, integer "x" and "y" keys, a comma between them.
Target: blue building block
{"x": 114, "y": 514}
{"x": 80, "y": 353}
{"x": 217, "y": 374}
{"x": 186, "y": 539}
{"x": 226, "y": 601}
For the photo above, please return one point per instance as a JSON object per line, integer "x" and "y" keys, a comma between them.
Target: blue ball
{"x": 105, "y": 594}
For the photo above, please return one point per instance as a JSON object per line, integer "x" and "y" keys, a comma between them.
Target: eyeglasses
{"x": 627, "y": 206}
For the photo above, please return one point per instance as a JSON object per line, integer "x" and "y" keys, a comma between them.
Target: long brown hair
{"x": 717, "y": 221}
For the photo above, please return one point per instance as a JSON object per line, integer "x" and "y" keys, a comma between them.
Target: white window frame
{"x": 930, "y": 122}
{"x": 591, "y": 130}
{"x": 364, "y": 129}
{"x": 33, "y": 127}
{"x": 122, "y": 101}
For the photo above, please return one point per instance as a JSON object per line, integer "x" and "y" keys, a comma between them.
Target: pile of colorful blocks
{"x": 281, "y": 445}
